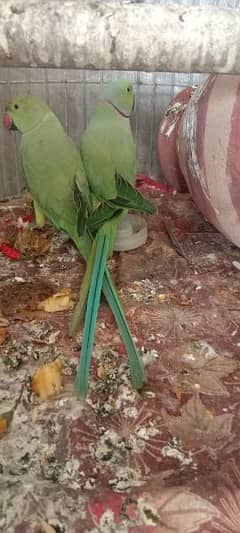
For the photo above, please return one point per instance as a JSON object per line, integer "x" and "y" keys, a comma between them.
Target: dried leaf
{"x": 47, "y": 380}
{"x": 61, "y": 301}
{"x": 176, "y": 510}
{"x": 33, "y": 241}
{"x": 197, "y": 427}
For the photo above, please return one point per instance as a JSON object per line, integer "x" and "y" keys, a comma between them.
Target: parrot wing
{"x": 129, "y": 197}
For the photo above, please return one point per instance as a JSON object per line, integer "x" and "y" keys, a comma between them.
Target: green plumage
{"x": 108, "y": 153}
{"x": 88, "y": 208}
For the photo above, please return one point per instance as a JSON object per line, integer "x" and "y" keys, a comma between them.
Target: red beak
{"x": 7, "y": 121}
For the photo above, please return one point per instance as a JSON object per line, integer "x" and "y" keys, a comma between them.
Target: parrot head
{"x": 24, "y": 113}
{"x": 120, "y": 94}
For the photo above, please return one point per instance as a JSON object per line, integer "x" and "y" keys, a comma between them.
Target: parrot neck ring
{"x": 125, "y": 115}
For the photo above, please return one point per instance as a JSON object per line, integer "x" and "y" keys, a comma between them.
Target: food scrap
{"x": 60, "y": 301}
{"x": 47, "y": 380}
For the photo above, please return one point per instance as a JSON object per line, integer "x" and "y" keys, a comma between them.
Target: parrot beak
{"x": 8, "y": 122}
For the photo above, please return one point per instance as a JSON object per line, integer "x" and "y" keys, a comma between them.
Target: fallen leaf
{"x": 31, "y": 241}
{"x": 61, "y": 301}
{"x": 197, "y": 427}
{"x": 47, "y": 380}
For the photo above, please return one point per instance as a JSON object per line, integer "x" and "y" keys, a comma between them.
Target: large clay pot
{"x": 167, "y": 136}
{"x": 209, "y": 152}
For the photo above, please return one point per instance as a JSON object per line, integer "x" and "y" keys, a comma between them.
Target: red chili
{"x": 10, "y": 252}
{"x": 145, "y": 180}
{"x": 27, "y": 218}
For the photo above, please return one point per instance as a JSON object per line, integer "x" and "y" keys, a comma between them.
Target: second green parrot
{"x": 109, "y": 156}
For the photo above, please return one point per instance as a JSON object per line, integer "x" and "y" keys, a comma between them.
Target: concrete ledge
{"x": 121, "y": 34}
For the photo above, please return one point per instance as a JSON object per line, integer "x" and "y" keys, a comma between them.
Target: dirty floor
{"x": 166, "y": 459}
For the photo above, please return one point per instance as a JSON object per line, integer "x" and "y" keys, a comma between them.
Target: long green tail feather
{"x": 101, "y": 254}
{"x": 138, "y": 377}
{"x": 110, "y": 292}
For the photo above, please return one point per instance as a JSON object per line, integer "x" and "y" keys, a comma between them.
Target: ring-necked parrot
{"x": 109, "y": 156}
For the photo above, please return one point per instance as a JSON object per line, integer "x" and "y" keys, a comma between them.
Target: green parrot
{"x": 56, "y": 178}
{"x": 109, "y": 156}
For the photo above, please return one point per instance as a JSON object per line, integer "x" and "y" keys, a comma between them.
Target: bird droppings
{"x": 130, "y": 412}
{"x": 126, "y": 479}
{"x": 149, "y": 356}
{"x": 148, "y": 513}
{"x": 205, "y": 349}
{"x": 172, "y": 449}
{"x": 107, "y": 524}
{"x": 90, "y": 484}
{"x": 164, "y": 457}
{"x": 145, "y": 290}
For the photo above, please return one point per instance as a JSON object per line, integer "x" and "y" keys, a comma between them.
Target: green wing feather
{"x": 130, "y": 198}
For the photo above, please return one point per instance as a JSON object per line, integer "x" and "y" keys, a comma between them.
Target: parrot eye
{"x": 128, "y": 89}
{"x": 16, "y": 106}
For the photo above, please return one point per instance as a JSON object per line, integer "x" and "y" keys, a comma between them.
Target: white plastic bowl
{"x": 132, "y": 233}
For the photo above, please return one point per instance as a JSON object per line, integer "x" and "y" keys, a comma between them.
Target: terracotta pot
{"x": 209, "y": 152}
